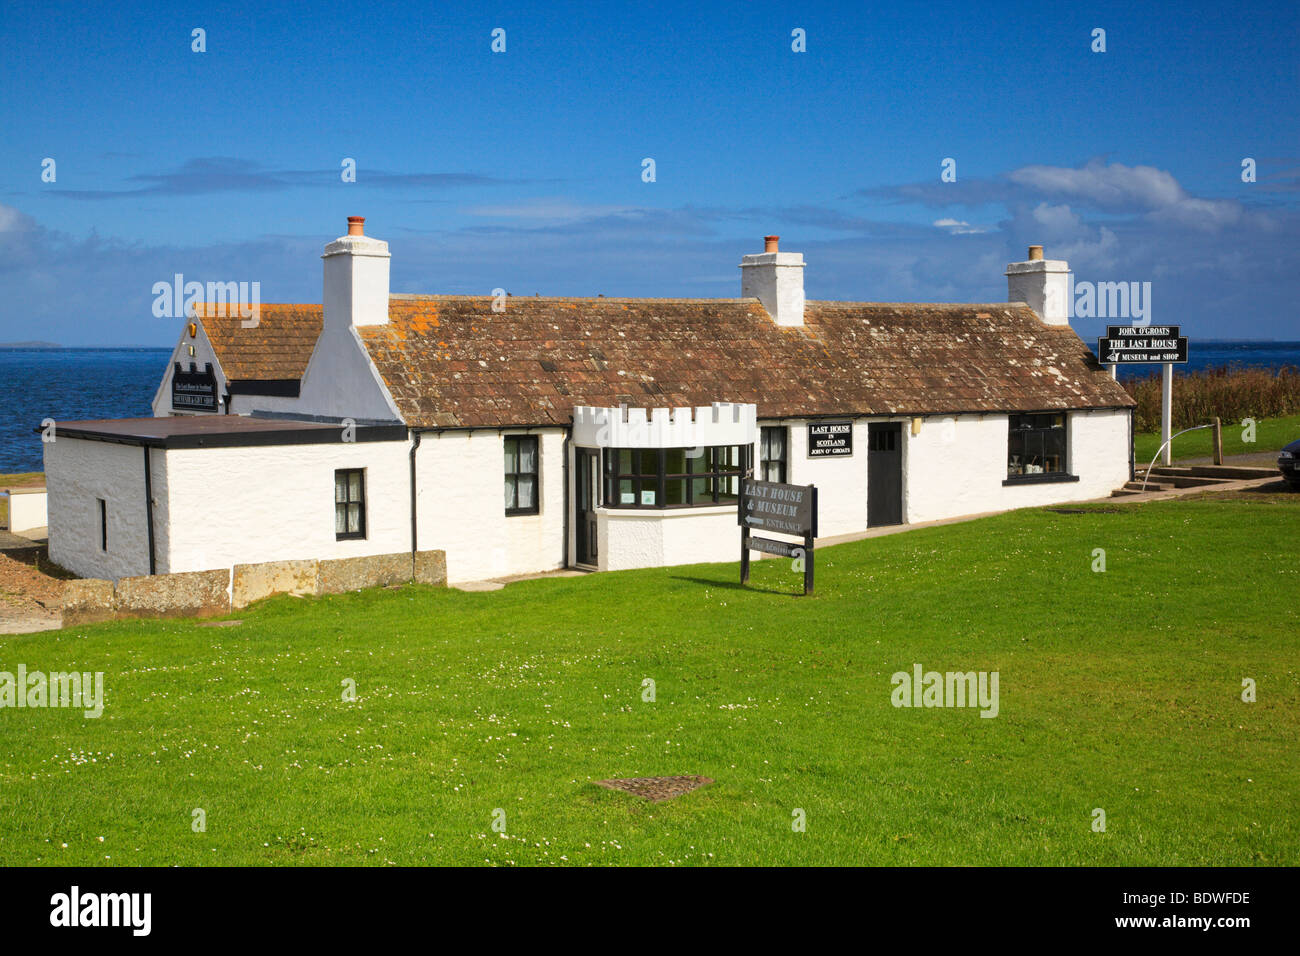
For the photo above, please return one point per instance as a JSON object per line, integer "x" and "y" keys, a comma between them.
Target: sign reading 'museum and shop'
{"x": 777, "y": 508}
{"x": 830, "y": 439}
{"x": 194, "y": 391}
{"x": 1135, "y": 344}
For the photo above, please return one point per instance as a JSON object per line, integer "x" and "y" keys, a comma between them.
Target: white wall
{"x": 276, "y": 502}
{"x": 635, "y": 538}
{"x": 841, "y": 482}
{"x": 26, "y": 510}
{"x": 462, "y": 505}
{"x": 958, "y": 468}
{"x": 77, "y": 474}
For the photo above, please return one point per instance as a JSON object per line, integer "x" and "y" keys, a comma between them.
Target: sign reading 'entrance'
{"x": 194, "y": 391}
{"x": 830, "y": 439}
{"x": 1136, "y": 344}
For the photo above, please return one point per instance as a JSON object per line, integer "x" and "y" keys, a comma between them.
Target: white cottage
{"x": 524, "y": 434}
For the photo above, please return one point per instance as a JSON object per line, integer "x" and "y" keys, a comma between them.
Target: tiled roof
{"x": 450, "y": 361}
{"x": 276, "y": 349}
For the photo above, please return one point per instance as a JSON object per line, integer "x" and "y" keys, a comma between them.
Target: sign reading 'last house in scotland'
{"x": 830, "y": 439}
{"x": 1133, "y": 344}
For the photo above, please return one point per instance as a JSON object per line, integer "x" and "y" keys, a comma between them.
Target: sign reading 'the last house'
{"x": 830, "y": 439}
{"x": 1139, "y": 344}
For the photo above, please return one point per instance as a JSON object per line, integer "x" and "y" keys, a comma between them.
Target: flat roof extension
{"x": 219, "y": 431}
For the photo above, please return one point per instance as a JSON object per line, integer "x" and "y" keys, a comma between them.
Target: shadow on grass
{"x": 793, "y": 591}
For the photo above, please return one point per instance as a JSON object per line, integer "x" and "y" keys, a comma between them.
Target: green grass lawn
{"x": 1271, "y": 434}
{"x": 1118, "y": 690}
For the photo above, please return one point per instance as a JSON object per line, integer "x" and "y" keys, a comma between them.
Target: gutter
{"x": 415, "y": 443}
{"x": 148, "y": 509}
{"x": 568, "y": 437}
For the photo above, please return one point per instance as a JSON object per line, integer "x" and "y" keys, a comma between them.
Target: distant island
{"x": 30, "y": 345}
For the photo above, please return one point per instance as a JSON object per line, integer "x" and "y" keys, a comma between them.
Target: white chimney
{"x": 356, "y": 279}
{"x": 1042, "y": 284}
{"x": 776, "y": 279}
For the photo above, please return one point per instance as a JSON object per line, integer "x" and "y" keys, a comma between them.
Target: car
{"x": 1288, "y": 462}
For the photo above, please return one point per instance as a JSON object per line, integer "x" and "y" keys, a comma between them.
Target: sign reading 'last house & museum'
{"x": 782, "y": 509}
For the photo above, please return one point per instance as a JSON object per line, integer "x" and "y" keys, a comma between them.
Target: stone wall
{"x": 208, "y": 593}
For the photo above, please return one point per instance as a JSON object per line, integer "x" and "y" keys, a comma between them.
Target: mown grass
{"x": 1271, "y": 434}
{"x": 1118, "y": 690}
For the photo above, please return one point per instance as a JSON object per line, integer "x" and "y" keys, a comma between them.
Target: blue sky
{"x": 522, "y": 169}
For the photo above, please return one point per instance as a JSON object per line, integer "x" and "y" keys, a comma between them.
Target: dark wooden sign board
{"x": 194, "y": 391}
{"x": 785, "y": 509}
{"x": 830, "y": 439}
{"x": 1140, "y": 344}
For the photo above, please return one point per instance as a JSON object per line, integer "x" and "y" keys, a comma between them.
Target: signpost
{"x": 830, "y": 439}
{"x": 784, "y": 509}
{"x": 1142, "y": 344}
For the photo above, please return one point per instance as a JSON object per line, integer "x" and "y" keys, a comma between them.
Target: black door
{"x": 585, "y": 502}
{"x": 884, "y": 473}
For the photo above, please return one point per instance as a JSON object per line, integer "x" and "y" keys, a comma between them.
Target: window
{"x": 103, "y": 524}
{"x": 882, "y": 439}
{"x": 521, "y": 475}
{"x": 772, "y": 454}
{"x": 1036, "y": 446}
{"x": 674, "y": 477}
{"x": 349, "y": 504}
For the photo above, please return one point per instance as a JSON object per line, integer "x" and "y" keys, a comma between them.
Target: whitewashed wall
{"x": 461, "y": 505}
{"x": 275, "y": 503}
{"x": 957, "y": 467}
{"x": 841, "y": 482}
{"x": 634, "y": 538}
{"x": 77, "y": 474}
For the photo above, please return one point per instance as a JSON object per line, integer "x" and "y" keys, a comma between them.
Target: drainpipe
{"x": 568, "y": 437}
{"x": 148, "y": 509}
{"x": 415, "y": 443}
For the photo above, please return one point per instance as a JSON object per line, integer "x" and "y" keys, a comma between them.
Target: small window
{"x": 882, "y": 439}
{"x": 1036, "y": 446}
{"x": 103, "y": 524}
{"x": 349, "y": 503}
{"x": 521, "y": 475}
{"x": 772, "y": 452}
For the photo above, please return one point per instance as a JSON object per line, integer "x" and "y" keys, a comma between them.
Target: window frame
{"x": 103, "y": 524}
{"x": 535, "y": 474}
{"x": 360, "y": 501}
{"x": 713, "y": 471}
{"x": 1039, "y": 430}
{"x": 783, "y": 462}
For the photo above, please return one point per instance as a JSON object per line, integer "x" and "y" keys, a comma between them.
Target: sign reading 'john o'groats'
{"x": 830, "y": 439}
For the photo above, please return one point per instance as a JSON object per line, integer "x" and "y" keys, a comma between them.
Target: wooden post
{"x": 744, "y": 533}
{"x": 808, "y": 547}
{"x": 1167, "y": 410}
{"x": 744, "y": 555}
{"x": 1218, "y": 441}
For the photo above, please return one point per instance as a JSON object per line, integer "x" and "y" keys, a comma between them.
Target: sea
{"x": 68, "y": 384}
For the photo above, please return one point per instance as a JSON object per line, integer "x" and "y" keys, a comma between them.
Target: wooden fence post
{"x": 1218, "y": 441}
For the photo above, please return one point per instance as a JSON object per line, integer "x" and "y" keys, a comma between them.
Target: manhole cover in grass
{"x": 220, "y": 623}
{"x": 1083, "y": 511}
{"x": 656, "y": 789}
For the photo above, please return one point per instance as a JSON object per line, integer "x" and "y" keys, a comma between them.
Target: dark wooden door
{"x": 884, "y": 473}
{"x": 585, "y": 503}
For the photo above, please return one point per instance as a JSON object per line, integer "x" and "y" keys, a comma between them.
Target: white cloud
{"x": 959, "y": 227}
